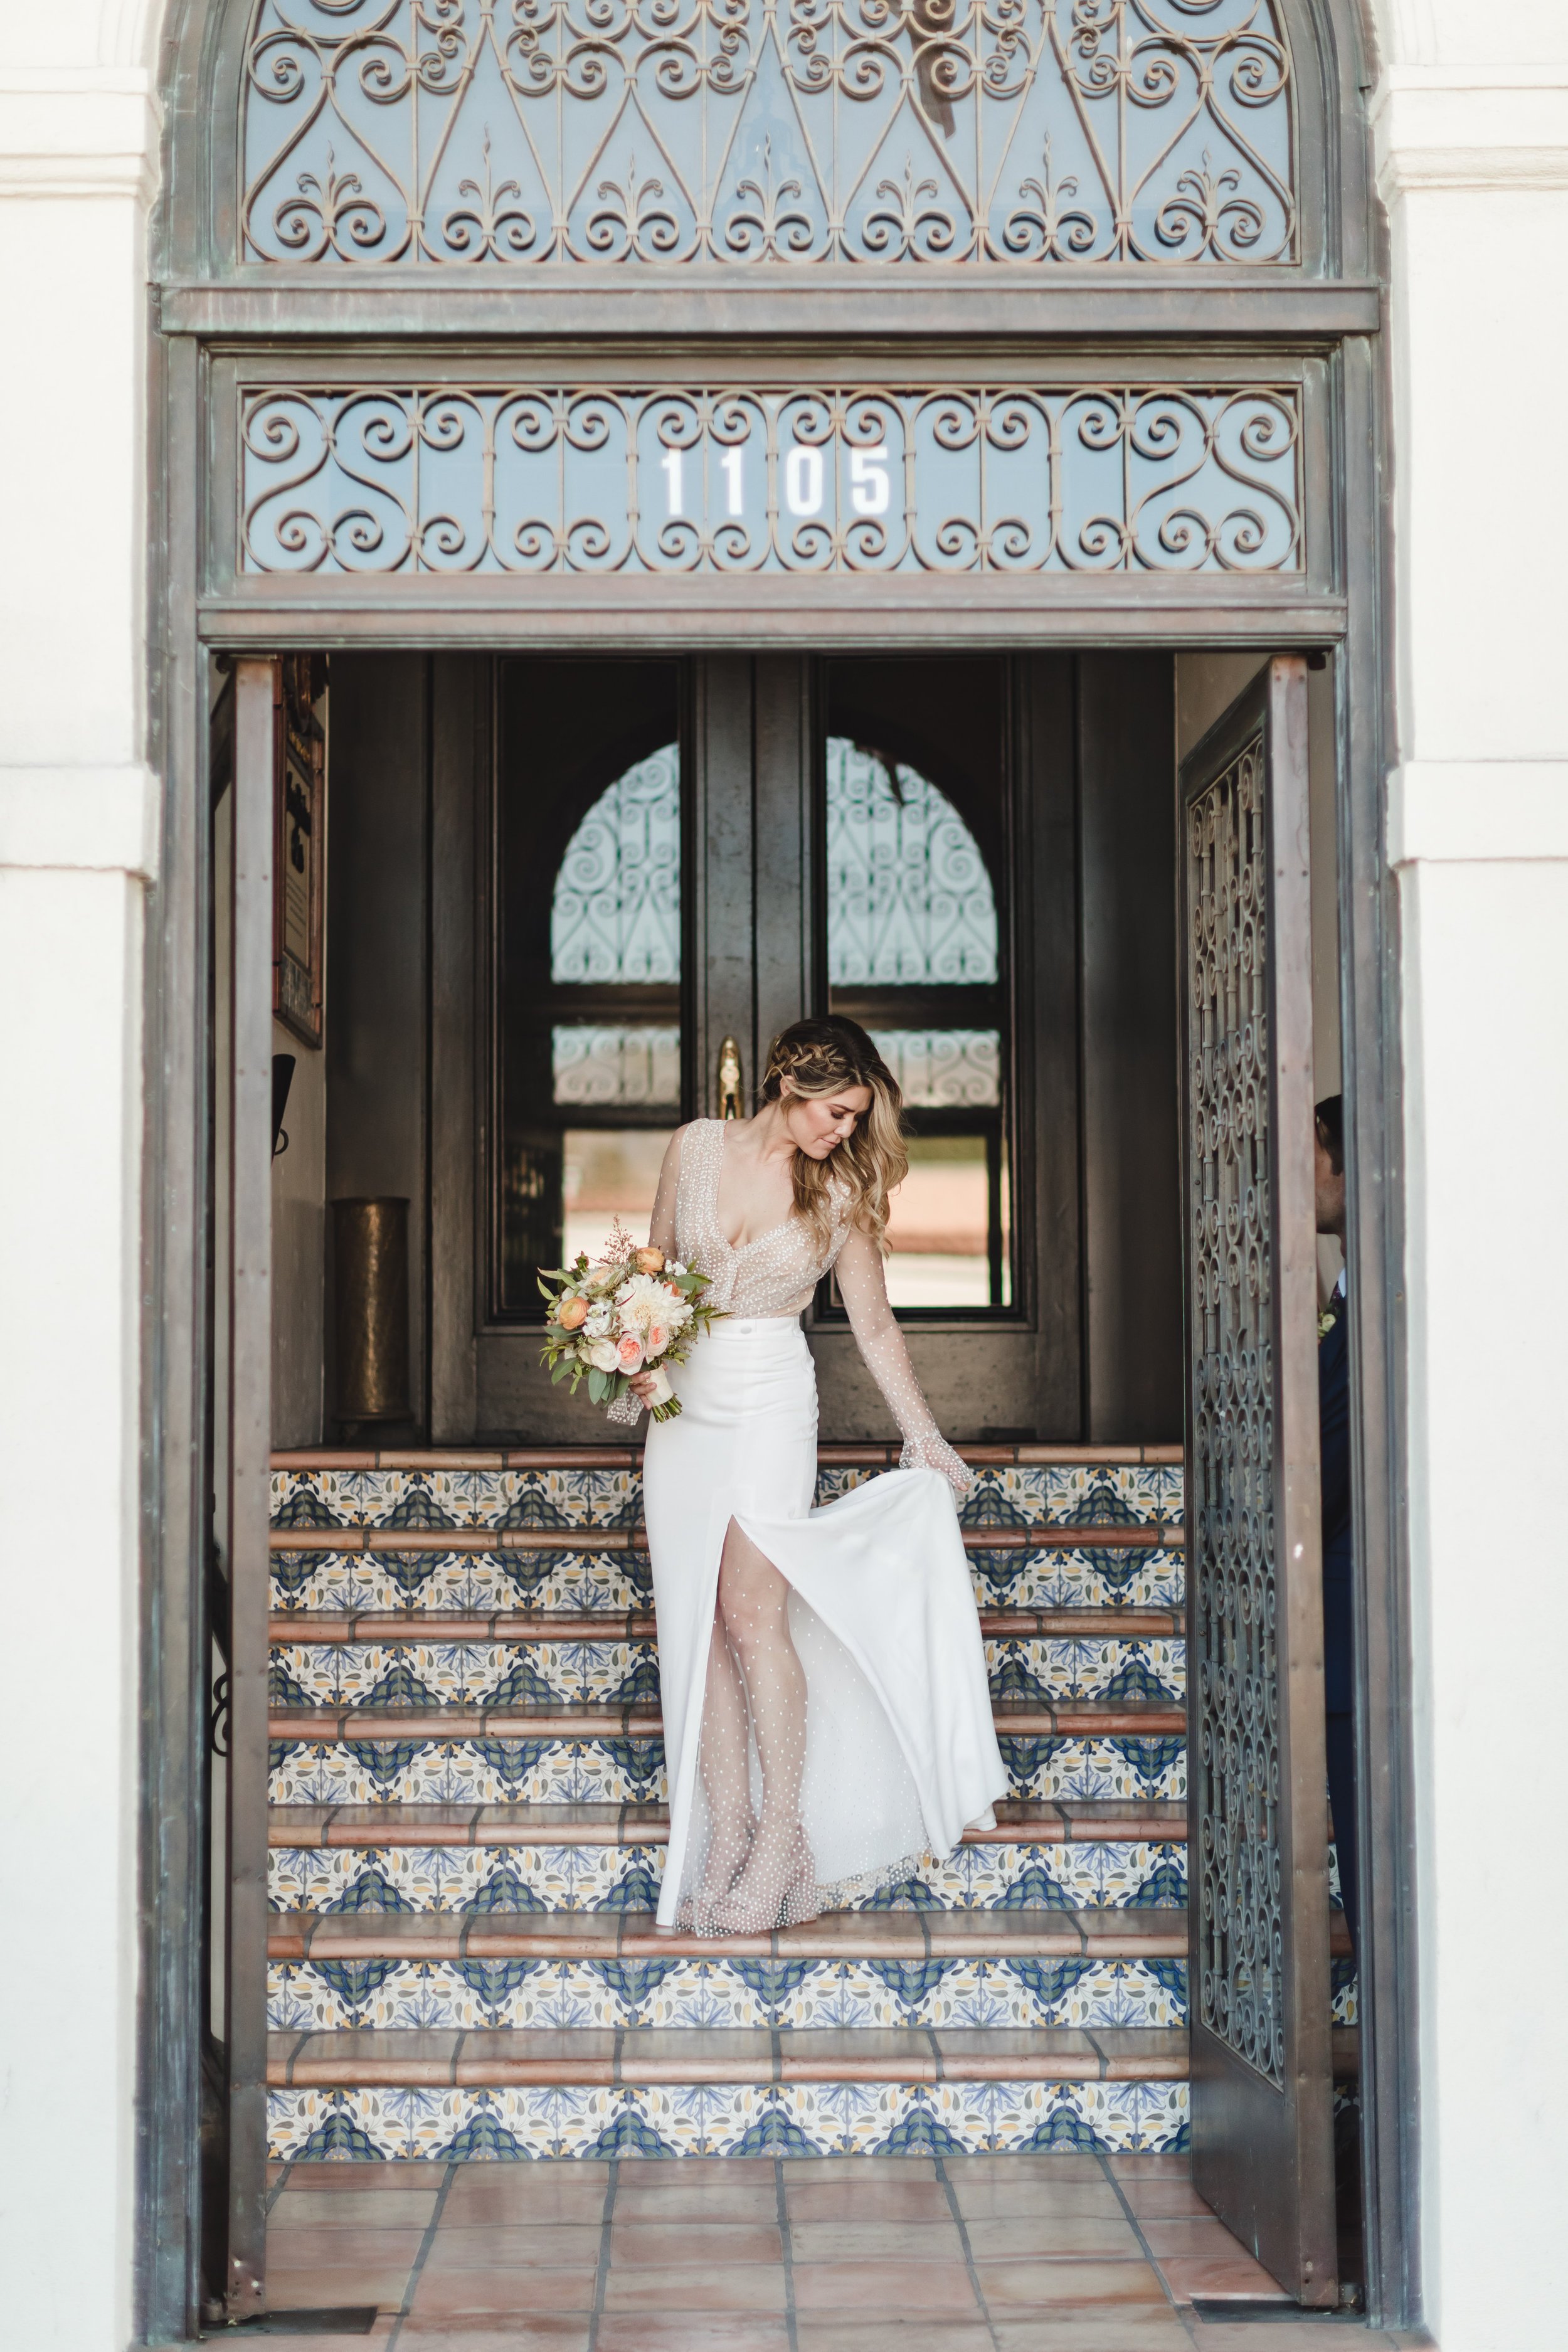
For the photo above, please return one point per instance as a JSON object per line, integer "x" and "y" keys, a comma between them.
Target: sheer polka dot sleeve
{"x": 864, "y": 1290}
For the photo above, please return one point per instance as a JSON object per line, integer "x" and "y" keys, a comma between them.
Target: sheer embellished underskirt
{"x": 881, "y": 1736}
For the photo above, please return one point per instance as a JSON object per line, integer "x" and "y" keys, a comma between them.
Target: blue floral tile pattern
{"x": 556, "y": 1877}
{"x": 1057, "y": 1766}
{"x": 420, "y": 1771}
{"x": 336, "y": 1996}
{"x": 727, "y": 2119}
{"x": 464, "y": 1673}
{"x": 468, "y": 1583}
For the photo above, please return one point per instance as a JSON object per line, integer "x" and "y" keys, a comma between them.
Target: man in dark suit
{"x": 1334, "y": 1439}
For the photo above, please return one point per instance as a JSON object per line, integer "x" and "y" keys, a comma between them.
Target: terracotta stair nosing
{"x": 1023, "y": 1455}
{"x": 387, "y": 1628}
{"x": 1020, "y": 1821}
{"x": 633, "y": 2056}
{"x": 380, "y": 1726}
{"x": 357, "y": 1535}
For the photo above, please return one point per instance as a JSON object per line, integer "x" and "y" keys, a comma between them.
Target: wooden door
{"x": 1258, "y": 1902}
{"x": 637, "y": 861}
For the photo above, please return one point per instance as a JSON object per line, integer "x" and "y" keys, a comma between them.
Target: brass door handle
{"x": 729, "y": 1080}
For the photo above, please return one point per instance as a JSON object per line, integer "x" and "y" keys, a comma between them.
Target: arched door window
{"x": 589, "y": 1002}
{"x": 914, "y": 952}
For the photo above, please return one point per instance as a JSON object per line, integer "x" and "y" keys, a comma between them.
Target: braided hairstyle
{"x": 824, "y": 1057}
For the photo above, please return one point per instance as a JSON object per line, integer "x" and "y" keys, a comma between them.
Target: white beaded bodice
{"x": 776, "y": 1274}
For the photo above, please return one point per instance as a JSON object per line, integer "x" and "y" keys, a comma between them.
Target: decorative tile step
{"x": 1075, "y": 1718}
{"x": 390, "y": 1538}
{"x": 631, "y": 1624}
{"x": 556, "y": 1492}
{"x": 612, "y": 1756}
{"x": 414, "y": 1670}
{"x": 648, "y": 1824}
{"x": 340, "y": 1970}
{"x": 560, "y": 1870}
{"x": 435, "y": 1577}
{"x": 428, "y": 2061}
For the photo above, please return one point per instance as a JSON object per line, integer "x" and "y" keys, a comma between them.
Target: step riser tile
{"x": 561, "y": 1878}
{"x": 1036, "y": 1668}
{"x": 718, "y": 2119}
{"x": 627, "y": 1772}
{"x": 475, "y": 1583}
{"x": 434, "y": 1996}
{"x": 1063, "y": 1495}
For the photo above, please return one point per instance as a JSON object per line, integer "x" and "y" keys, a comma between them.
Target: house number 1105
{"x": 804, "y": 479}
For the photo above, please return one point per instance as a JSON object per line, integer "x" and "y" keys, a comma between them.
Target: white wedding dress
{"x": 866, "y": 1727}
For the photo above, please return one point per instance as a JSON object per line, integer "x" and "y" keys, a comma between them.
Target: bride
{"x": 827, "y": 1719}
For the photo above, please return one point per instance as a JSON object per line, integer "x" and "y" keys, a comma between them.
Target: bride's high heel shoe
{"x": 785, "y": 1895}
{"x": 722, "y": 1865}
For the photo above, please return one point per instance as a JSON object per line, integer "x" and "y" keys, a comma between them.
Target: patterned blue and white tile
{"x": 1135, "y": 1874}
{"x": 1089, "y": 1578}
{"x": 1057, "y": 1765}
{"x": 727, "y": 2119}
{"x": 463, "y": 1673}
{"x": 622, "y": 1770}
{"x": 1092, "y": 1494}
{"x": 337, "y": 1996}
{"x": 421, "y": 1772}
{"x": 618, "y": 1673}
{"x": 456, "y": 1498}
{"x": 469, "y": 1583}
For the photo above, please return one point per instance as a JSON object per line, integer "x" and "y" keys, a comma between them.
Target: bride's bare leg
{"x": 752, "y": 1604}
{"x": 725, "y": 1763}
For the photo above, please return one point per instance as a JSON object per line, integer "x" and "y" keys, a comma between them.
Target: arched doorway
{"x": 438, "y": 371}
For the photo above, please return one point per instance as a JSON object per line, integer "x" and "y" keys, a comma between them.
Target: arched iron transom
{"x": 507, "y": 132}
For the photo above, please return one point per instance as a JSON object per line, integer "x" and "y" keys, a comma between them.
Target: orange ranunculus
{"x": 650, "y": 1261}
{"x": 571, "y": 1313}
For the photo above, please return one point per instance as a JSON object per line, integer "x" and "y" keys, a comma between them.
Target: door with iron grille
{"x": 1261, "y": 2086}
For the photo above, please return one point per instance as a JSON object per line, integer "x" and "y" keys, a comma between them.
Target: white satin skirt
{"x": 901, "y": 1753}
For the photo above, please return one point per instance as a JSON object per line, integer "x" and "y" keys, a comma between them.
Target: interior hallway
{"x": 1053, "y": 2253}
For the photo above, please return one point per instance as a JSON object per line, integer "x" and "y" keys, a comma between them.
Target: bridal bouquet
{"x": 631, "y": 1311}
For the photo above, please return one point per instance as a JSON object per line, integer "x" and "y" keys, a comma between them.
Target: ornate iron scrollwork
{"x": 752, "y": 478}
{"x": 1235, "y": 1680}
{"x": 507, "y": 132}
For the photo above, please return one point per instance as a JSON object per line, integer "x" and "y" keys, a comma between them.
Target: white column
{"x": 1473, "y": 157}
{"x": 78, "y": 842}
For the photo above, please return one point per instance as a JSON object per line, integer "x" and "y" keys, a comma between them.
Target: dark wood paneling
{"x": 1132, "y": 1182}
{"x": 782, "y": 818}
{"x": 717, "y": 955}
{"x": 377, "y": 907}
{"x": 461, "y": 702}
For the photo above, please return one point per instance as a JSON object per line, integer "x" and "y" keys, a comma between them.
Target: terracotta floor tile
{"x": 323, "y": 2286}
{"x": 501, "y": 2291}
{"x": 312, "y": 2244}
{"x": 1071, "y": 2328}
{"x": 346, "y": 2179}
{"x": 860, "y": 2167}
{"x": 488, "y": 2193}
{"x": 690, "y": 2331}
{"x": 298, "y": 2209}
{"x": 1055, "y": 2204}
{"x": 1053, "y": 2237}
{"x": 852, "y": 2332}
{"x": 866, "y": 2200}
{"x": 1203, "y": 2234}
{"x": 847, "y": 2287}
{"x": 1169, "y": 2198}
{"x": 515, "y": 2245}
{"x": 671, "y": 2197}
{"x": 561, "y": 2331}
{"x": 679, "y": 2243}
{"x": 1142, "y": 2165}
{"x": 935, "y": 2240}
{"x": 1235, "y": 2276}
{"x": 1041, "y": 2285}
{"x": 695, "y": 2287}
{"x": 1064, "y": 2167}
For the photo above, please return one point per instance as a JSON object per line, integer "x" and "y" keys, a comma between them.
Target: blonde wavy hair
{"x": 825, "y": 1058}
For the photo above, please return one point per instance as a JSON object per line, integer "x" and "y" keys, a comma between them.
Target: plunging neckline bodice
{"x": 776, "y": 1272}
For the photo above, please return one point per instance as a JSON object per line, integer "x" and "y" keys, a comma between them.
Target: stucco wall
{"x": 1472, "y": 114}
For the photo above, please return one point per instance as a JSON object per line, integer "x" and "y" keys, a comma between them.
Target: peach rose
{"x": 628, "y": 1352}
{"x": 649, "y": 1261}
{"x": 571, "y": 1313}
{"x": 657, "y": 1338}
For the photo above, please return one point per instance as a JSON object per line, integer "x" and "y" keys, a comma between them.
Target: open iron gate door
{"x": 1262, "y": 2097}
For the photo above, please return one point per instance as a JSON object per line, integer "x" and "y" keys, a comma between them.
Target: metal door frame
{"x": 1325, "y": 317}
